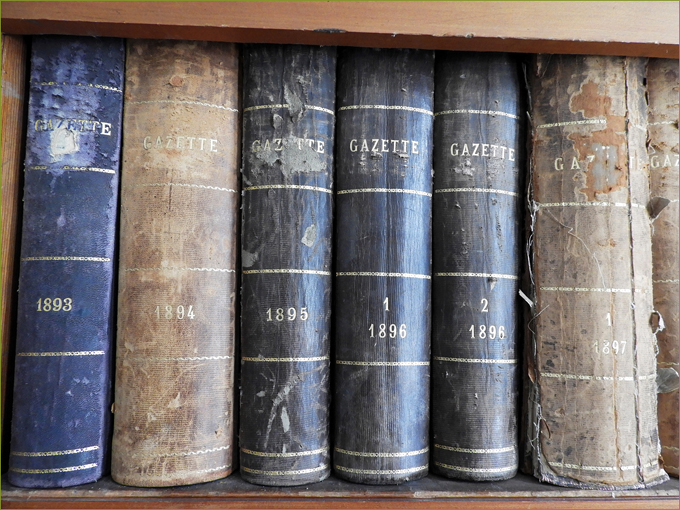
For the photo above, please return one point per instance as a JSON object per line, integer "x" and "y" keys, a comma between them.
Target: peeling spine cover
{"x": 174, "y": 397}
{"x": 383, "y": 264}
{"x": 593, "y": 399}
{"x": 62, "y": 386}
{"x": 288, "y": 132}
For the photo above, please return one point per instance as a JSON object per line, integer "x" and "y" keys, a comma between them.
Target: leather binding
{"x": 382, "y": 265}
{"x": 62, "y": 385}
{"x": 593, "y": 363}
{"x": 288, "y": 133}
{"x": 662, "y": 147}
{"x": 476, "y": 253}
{"x": 174, "y": 398}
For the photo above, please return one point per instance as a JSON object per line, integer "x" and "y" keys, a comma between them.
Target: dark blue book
{"x": 62, "y": 386}
{"x": 382, "y": 265}
{"x": 288, "y": 132}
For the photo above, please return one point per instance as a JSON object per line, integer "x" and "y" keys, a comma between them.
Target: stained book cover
{"x": 592, "y": 356}
{"x": 476, "y": 252}
{"x": 62, "y": 384}
{"x": 662, "y": 147}
{"x": 174, "y": 398}
{"x": 382, "y": 265}
{"x": 288, "y": 131}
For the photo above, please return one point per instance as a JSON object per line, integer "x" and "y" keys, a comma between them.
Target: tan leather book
{"x": 174, "y": 396}
{"x": 662, "y": 147}
{"x": 593, "y": 398}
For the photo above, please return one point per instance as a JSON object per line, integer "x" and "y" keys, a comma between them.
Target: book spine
{"x": 478, "y": 149}
{"x": 62, "y": 385}
{"x": 288, "y": 133}
{"x": 662, "y": 147}
{"x": 594, "y": 403}
{"x": 174, "y": 398}
{"x": 382, "y": 265}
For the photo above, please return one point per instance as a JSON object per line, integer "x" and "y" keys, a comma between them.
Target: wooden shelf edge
{"x": 432, "y": 492}
{"x": 605, "y": 28}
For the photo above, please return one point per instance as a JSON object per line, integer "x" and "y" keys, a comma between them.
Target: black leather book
{"x": 288, "y": 132}
{"x": 62, "y": 386}
{"x": 382, "y": 265}
{"x": 478, "y": 139}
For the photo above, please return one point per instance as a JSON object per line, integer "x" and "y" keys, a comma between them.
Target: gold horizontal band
{"x": 573, "y": 123}
{"x": 174, "y": 101}
{"x": 671, "y": 448}
{"x": 212, "y": 470}
{"x": 581, "y": 377}
{"x": 74, "y": 168}
{"x": 493, "y": 113}
{"x": 379, "y": 455}
{"x": 465, "y": 469}
{"x": 589, "y": 289}
{"x": 482, "y": 275}
{"x": 55, "y": 453}
{"x": 209, "y": 269}
{"x": 179, "y": 454}
{"x": 381, "y": 471}
{"x": 666, "y": 281}
{"x": 391, "y": 275}
{"x": 287, "y": 271}
{"x": 542, "y": 205}
{"x": 72, "y": 259}
{"x": 290, "y": 186}
{"x": 476, "y": 360}
{"x": 384, "y": 363}
{"x": 384, "y": 107}
{"x": 476, "y": 450}
{"x": 599, "y": 468}
{"x": 180, "y": 185}
{"x": 67, "y": 353}
{"x": 89, "y": 85}
{"x": 287, "y": 106}
{"x": 181, "y": 358}
{"x": 283, "y": 473}
{"x": 289, "y": 360}
{"x": 384, "y": 190}
{"x": 284, "y": 455}
{"x": 53, "y": 470}
{"x": 477, "y": 190}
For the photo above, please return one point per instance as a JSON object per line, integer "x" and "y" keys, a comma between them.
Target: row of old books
{"x": 376, "y": 272}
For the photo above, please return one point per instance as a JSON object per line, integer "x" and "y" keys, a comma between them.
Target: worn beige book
{"x": 174, "y": 396}
{"x": 592, "y": 361}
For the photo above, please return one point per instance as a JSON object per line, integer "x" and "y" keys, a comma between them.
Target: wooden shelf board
{"x": 431, "y": 492}
{"x": 583, "y": 27}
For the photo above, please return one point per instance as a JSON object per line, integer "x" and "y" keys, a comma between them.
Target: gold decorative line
{"x": 477, "y": 190}
{"x": 287, "y": 454}
{"x": 53, "y": 470}
{"x": 52, "y": 454}
{"x": 188, "y": 358}
{"x": 75, "y": 168}
{"x": 382, "y": 455}
{"x": 90, "y": 85}
{"x": 665, "y": 281}
{"x": 381, "y": 471}
{"x": 573, "y": 123}
{"x": 180, "y": 184}
{"x": 287, "y": 106}
{"x": 475, "y": 450}
{"x": 588, "y": 204}
{"x": 180, "y": 454}
{"x": 211, "y": 470}
{"x": 213, "y": 269}
{"x": 290, "y": 186}
{"x": 384, "y": 107}
{"x": 476, "y": 360}
{"x": 480, "y": 112}
{"x": 666, "y": 364}
{"x": 482, "y": 275}
{"x": 588, "y": 289}
{"x": 77, "y": 259}
{"x": 384, "y": 363}
{"x": 476, "y": 470}
{"x": 282, "y": 473}
{"x": 672, "y": 448}
{"x": 384, "y": 190}
{"x": 198, "y": 103}
{"x": 286, "y": 360}
{"x": 395, "y": 275}
{"x": 662, "y": 123}
{"x": 286, "y": 271}
{"x": 73, "y": 353}
{"x": 581, "y": 377}
{"x": 598, "y": 468}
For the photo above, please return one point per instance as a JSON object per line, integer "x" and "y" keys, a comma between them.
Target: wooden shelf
{"x": 432, "y": 492}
